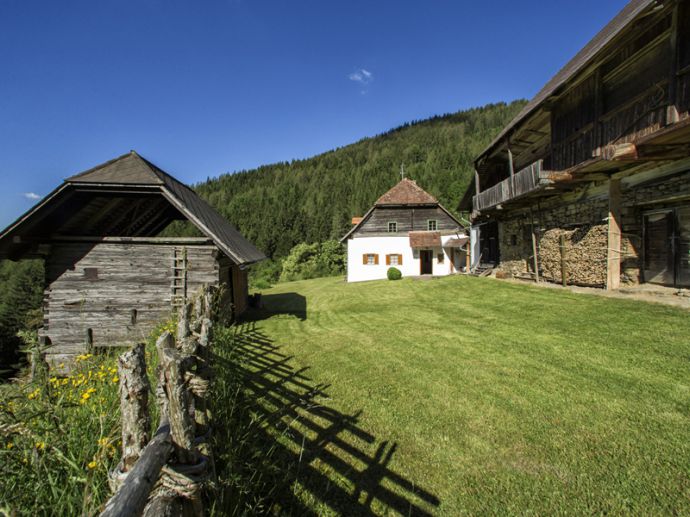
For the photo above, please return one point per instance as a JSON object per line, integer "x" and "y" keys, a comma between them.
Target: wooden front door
{"x": 426, "y": 262}
{"x": 667, "y": 247}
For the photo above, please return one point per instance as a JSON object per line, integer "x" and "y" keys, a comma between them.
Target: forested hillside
{"x": 308, "y": 201}
{"x": 280, "y": 205}
{"x": 21, "y": 292}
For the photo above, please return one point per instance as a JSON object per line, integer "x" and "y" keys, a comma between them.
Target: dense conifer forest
{"x": 281, "y": 205}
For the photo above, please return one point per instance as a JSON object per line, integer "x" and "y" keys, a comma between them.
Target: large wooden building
{"x": 109, "y": 277}
{"x": 591, "y": 180}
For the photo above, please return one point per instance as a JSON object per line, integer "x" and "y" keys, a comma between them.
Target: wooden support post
{"x": 88, "y": 337}
{"x": 512, "y": 172}
{"x": 672, "y": 115}
{"x": 468, "y": 256}
{"x": 477, "y": 190}
{"x": 564, "y": 266}
{"x": 134, "y": 400}
{"x": 535, "y": 257}
{"x": 613, "y": 263}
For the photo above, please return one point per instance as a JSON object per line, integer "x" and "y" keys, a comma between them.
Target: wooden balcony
{"x": 529, "y": 179}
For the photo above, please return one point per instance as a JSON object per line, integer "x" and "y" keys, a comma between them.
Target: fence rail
{"x": 165, "y": 474}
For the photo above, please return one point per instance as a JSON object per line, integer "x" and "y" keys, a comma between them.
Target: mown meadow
{"x": 456, "y": 396}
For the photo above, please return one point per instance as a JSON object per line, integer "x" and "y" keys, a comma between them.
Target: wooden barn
{"x": 109, "y": 277}
{"x": 590, "y": 183}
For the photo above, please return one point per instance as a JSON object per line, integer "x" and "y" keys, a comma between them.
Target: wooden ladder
{"x": 178, "y": 286}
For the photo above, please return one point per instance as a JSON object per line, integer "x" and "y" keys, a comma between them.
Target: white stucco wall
{"x": 384, "y": 245}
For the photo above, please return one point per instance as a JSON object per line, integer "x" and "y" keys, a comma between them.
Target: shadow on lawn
{"x": 293, "y": 304}
{"x": 285, "y": 452}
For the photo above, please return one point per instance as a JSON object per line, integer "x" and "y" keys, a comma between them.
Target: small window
{"x": 394, "y": 260}
{"x": 513, "y": 240}
{"x": 371, "y": 259}
{"x": 432, "y": 225}
{"x": 440, "y": 257}
{"x": 392, "y": 227}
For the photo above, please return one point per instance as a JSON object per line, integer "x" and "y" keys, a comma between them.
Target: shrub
{"x": 264, "y": 274}
{"x": 313, "y": 261}
{"x": 394, "y": 273}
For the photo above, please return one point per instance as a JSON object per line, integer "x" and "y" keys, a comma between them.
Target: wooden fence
{"x": 165, "y": 474}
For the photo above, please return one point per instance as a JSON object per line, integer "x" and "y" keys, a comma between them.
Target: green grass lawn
{"x": 461, "y": 396}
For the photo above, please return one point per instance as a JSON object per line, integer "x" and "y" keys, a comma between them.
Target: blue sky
{"x": 207, "y": 87}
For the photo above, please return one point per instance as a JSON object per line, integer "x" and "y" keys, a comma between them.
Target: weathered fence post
{"x": 134, "y": 404}
{"x": 155, "y": 485}
{"x": 135, "y": 420}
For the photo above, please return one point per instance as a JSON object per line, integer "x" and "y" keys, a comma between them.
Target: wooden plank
{"x": 131, "y": 498}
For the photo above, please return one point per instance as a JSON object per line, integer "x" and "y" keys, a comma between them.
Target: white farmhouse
{"x": 408, "y": 229}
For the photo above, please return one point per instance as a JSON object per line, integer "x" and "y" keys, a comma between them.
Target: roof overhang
{"x": 425, "y": 239}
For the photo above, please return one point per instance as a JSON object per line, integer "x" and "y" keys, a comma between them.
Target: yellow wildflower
{"x": 40, "y": 446}
{"x": 34, "y": 394}
{"x": 10, "y": 445}
{"x": 116, "y": 379}
{"x": 102, "y": 441}
{"x": 92, "y": 465}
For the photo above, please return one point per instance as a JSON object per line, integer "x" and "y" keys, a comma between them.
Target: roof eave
{"x": 585, "y": 56}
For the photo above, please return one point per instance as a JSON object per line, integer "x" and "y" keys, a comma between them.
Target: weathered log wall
{"x": 119, "y": 291}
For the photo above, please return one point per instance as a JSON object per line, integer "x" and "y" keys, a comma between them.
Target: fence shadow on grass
{"x": 282, "y": 450}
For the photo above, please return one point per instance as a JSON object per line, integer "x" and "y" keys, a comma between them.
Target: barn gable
{"x": 109, "y": 277}
{"x": 125, "y": 197}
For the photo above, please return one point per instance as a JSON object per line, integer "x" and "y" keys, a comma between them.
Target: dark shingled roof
{"x": 577, "y": 63}
{"x": 425, "y": 239}
{"x": 407, "y": 192}
{"x": 132, "y": 170}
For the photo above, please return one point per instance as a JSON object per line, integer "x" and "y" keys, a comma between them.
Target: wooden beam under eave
{"x": 613, "y": 255}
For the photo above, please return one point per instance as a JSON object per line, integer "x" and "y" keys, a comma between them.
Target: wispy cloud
{"x": 361, "y": 76}
{"x": 31, "y": 196}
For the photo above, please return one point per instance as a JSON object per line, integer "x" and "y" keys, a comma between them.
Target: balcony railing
{"x": 527, "y": 180}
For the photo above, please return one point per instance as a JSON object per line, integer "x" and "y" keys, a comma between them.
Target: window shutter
{"x": 388, "y": 260}
{"x": 376, "y": 259}
{"x": 400, "y": 260}
{"x": 364, "y": 259}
